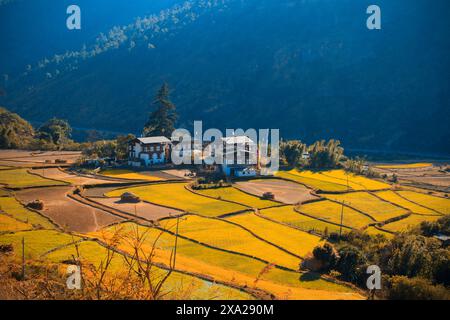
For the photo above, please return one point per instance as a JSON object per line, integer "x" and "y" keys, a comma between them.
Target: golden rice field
{"x": 441, "y": 205}
{"x": 295, "y": 241}
{"x": 128, "y": 174}
{"x": 37, "y": 242}
{"x": 316, "y": 184}
{"x": 357, "y": 182}
{"x": 369, "y": 204}
{"x": 225, "y": 235}
{"x": 4, "y": 193}
{"x": 13, "y": 208}
{"x": 21, "y": 178}
{"x": 8, "y": 224}
{"x": 235, "y": 195}
{"x": 374, "y": 231}
{"x": 331, "y": 212}
{"x": 235, "y": 268}
{"x": 405, "y": 166}
{"x": 175, "y": 195}
{"x": 393, "y": 197}
{"x": 289, "y": 216}
{"x": 409, "y": 222}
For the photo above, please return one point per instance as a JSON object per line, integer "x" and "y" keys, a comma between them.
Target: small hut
{"x": 129, "y": 197}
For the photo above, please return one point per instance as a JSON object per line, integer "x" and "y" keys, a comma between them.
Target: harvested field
{"x": 130, "y": 175}
{"x": 408, "y": 223}
{"x": 57, "y": 174}
{"x": 67, "y": 212}
{"x": 284, "y": 191}
{"x": 224, "y": 235}
{"x": 142, "y": 209}
{"x": 176, "y": 196}
{"x": 98, "y": 192}
{"x": 235, "y": 195}
{"x": 293, "y": 240}
{"x": 369, "y": 204}
{"x": 331, "y": 212}
{"x": 315, "y": 184}
{"x": 13, "y": 208}
{"x": 289, "y": 216}
{"x": 441, "y": 205}
{"x": 21, "y": 178}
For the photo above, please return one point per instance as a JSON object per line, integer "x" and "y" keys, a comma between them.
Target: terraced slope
{"x": 235, "y": 195}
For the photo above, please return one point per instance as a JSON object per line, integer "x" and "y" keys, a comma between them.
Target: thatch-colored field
{"x": 289, "y": 216}
{"x": 142, "y": 209}
{"x": 284, "y": 191}
{"x": 393, "y": 197}
{"x": 331, "y": 212}
{"x": 21, "y": 178}
{"x": 15, "y": 209}
{"x": 240, "y": 270}
{"x": 316, "y": 184}
{"x": 410, "y": 222}
{"x": 224, "y": 235}
{"x": 8, "y": 224}
{"x": 369, "y": 204}
{"x": 436, "y": 203}
{"x": 175, "y": 195}
{"x": 293, "y": 240}
{"x": 129, "y": 175}
{"x": 57, "y": 174}
{"x": 405, "y": 166}
{"x": 357, "y": 182}
{"x": 67, "y": 212}
{"x": 235, "y": 195}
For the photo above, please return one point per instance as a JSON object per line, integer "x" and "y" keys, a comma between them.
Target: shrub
{"x": 404, "y": 288}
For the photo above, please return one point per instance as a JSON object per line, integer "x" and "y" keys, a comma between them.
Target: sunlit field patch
{"x": 128, "y": 174}
{"x": 232, "y": 194}
{"x": 405, "y": 166}
{"x": 8, "y": 224}
{"x": 374, "y": 231}
{"x": 228, "y": 236}
{"x": 391, "y": 196}
{"x": 316, "y": 184}
{"x": 20, "y": 178}
{"x": 408, "y": 223}
{"x": 289, "y": 216}
{"x": 293, "y": 240}
{"x": 13, "y": 208}
{"x": 439, "y": 204}
{"x": 175, "y": 195}
{"x": 331, "y": 211}
{"x": 356, "y": 180}
{"x": 367, "y": 203}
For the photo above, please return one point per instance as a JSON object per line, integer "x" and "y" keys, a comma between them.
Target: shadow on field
{"x": 309, "y": 276}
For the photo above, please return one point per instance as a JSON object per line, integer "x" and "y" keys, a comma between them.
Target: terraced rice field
{"x": 235, "y": 195}
{"x": 441, "y": 205}
{"x": 37, "y": 242}
{"x": 130, "y": 175}
{"x": 374, "y": 231}
{"x": 8, "y": 224}
{"x": 176, "y": 196}
{"x": 316, "y": 184}
{"x": 57, "y": 174}
{"x": 289, "y": 216}
{"x": 357, "y": 182}
{"x": 224, "y": 235}
{"x": 331, "y": 212}
{"x": 240, "y": 270}
{"x": 405, "y": 166}
{"x": 409, "y": 222}
{"x": 21, "y": 178}
{"x": 16, "y": 210}
{"x": 369, "y": 204}
{"x": 293, "y": 240}
{"x": 392, "y": 196}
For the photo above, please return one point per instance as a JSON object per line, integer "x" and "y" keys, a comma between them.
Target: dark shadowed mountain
{"x": 310, "y": 68}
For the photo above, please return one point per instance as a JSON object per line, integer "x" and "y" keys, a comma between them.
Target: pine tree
{"x": 161, "y": 121}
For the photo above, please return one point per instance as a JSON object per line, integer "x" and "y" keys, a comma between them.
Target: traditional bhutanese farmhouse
{"x": 248, "y": 164}
{"x": 149, "y": 151}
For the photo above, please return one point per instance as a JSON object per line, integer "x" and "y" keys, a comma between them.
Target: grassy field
{"x": 289, "y": 216}
{"x": 233, "y": 194}
{"x": 8, "y": 224}
{"x": 439, "y": 204}
{"x": 293, "y": 240}
{"x": 227, "y": 236}
{"x": 409, "y": 222}
{"x": 239, "y": 269}
{"x": 316, "y": 184}
{"x": 367, "y": 203}
{"x": 4, "y": 193}
{"x": 331, "y": 211}
{"x": 128, "y": 174}
{"x": 374, "y": 231}
{"x": 20, "y": 178}
{"x": 13, "y": 208}
{"x": 391, "y": 196}
{"x": 37, "y": 242}
{"x": 357, "y": 182}
{"x": 176, "y": 196}
{"x": 405, "y": 166}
